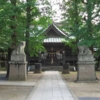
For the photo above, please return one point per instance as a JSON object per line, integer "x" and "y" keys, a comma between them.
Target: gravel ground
{"x": 84, "y": 91}
{"x": 17, "y": 92}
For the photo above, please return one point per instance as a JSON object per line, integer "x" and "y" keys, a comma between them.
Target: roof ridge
{"x": 59, "y": 29}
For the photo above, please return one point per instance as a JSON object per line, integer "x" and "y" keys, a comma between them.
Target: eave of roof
{"x": 54, "y": 40}
{"x": 59, "y": 30}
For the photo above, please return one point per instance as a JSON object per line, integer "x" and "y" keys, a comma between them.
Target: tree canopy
{"x": 20, "y": 21}
{"x": 81, "y": 21}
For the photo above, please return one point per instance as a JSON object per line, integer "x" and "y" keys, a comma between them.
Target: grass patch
{"x": 2, "y": 69}
{"x": 97, "y": 72}
{"x": 73, "y": 76}
{"x": 71, "y": 73}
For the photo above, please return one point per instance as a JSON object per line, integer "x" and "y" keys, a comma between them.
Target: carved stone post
{"x": 39, "y": 57}
{"x": 18, "y": 64}
{"x": 66, "y": 68}
{"x": 37, "y": 68}
{"x": 63, "y": 56}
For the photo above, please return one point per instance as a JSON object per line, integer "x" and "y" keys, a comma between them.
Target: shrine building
{"x": 56, "y": 52}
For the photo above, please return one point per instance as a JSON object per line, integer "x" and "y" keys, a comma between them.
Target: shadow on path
{"x": 3, "y": 75}
{"x": 89, "y": 98}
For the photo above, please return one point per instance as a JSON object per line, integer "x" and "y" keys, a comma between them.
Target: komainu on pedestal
{"x": 18, "y": 64}
{"x": 86, "y": 65}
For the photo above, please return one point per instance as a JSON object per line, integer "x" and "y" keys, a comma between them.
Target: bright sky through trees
{"x": 55, "y": 8}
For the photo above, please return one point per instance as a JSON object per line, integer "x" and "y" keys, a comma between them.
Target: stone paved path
{"x": 51, "y": 87}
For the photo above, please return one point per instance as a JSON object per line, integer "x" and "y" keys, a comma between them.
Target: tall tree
{"x": 35, "y": 19}
{"x": 80, "y": 20}
{"x": 13, "y": 25}
{"x": 16, "y": 19}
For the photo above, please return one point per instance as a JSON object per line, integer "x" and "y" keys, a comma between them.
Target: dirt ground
{"x": 83, "y": 90}
{"x": 14, "y": 92}
{"x": 17, "y": 92}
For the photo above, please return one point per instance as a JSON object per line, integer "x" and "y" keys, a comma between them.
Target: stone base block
{"x": 86, "y": 72}
{"x": 65, "y": 72}
{"x": 99, "y": 69}
{"x": 37, "y": 71}
{"x": 18, "y": 72}
{"x": 37, "y": 68}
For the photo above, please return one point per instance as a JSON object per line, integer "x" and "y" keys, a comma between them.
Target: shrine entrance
{"x": 54, "y": 46}
{"x": 54, "y": 55}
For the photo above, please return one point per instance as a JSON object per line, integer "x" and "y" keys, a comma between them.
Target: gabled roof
{"x": 56, "y": 29}
{"x": 54, "y": 35}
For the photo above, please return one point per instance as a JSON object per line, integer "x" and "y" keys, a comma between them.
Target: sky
{"x": 55, "y": 7}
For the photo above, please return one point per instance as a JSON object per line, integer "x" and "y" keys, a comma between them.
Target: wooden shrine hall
{"x": 57, "y": 52}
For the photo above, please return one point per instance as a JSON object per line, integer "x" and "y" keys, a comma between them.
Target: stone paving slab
{"x": 51, "y": 87}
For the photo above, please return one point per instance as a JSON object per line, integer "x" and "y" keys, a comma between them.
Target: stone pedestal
{"x": 18, "y": 57}
{"x": 86, "y": 71}
{"x": 65, "y": 68}
{"x": 86, "y": 65}
{"x": 18, "y": 64}
{"x": 18, "y": 71}
{"x": 37, "y": 68}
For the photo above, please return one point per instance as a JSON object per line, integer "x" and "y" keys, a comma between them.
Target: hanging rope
{"x": 52, "y": 60}
{"x": 55, "y": 52}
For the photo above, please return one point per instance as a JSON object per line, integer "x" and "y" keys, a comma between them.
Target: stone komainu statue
{"x": 84, "y": 50}
{"x": 85, "y": 54}
{"x": 20, "y": 48}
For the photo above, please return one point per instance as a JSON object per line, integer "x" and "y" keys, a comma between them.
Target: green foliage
{"x": 7, "y": 20}
{"x": 81, "y": 21}
{"x": 39, "y": 22}
{"x": 72, "y": 44}
{"x": 37, "y": 36}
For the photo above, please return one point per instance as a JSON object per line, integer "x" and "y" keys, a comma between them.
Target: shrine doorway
{"x": 53, "y": 57}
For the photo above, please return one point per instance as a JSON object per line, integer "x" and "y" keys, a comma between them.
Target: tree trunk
{"x": 13, "y": 37}
{"x": 8, "y": 59}
{"x": 28, "y": 21}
